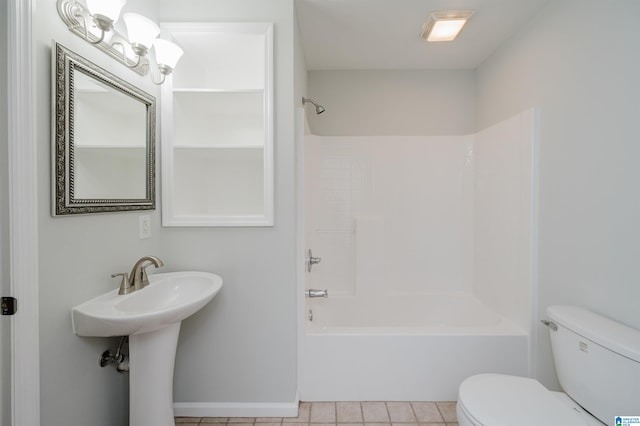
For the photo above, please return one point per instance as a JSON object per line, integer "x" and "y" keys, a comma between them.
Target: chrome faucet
{"x": 138, "y": 278}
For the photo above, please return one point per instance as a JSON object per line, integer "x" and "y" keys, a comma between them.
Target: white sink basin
{"x": 169, "y": 298}
{"x": 151, "y": 317}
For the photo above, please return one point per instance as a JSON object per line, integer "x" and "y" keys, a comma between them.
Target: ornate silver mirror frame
{"x": 69, "y": 193}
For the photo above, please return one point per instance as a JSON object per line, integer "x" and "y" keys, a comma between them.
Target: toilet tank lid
{"x": 604, "y": 331}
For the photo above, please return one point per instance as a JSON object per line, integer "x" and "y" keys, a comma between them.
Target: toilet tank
{"x": 597, "y": 361}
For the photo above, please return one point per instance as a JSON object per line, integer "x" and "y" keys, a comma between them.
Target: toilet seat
{"x": 503, "y": 400}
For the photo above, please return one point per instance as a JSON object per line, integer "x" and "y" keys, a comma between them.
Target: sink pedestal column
{"x": 151, "y": 361}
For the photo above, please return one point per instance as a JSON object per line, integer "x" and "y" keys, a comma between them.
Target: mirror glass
{"x": 104, "y": 140}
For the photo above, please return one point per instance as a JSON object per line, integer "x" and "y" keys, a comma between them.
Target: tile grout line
{"x": 413, "y": 410}
{"x": 442, "y": 415}
{"x": 440, "y": 411}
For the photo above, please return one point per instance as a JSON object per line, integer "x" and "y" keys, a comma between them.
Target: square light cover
{"x": 444, "y": 25}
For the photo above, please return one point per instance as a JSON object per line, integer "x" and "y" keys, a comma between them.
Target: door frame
{"x": 23, "y": 215}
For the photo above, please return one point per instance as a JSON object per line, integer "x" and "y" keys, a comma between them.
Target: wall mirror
{"x": 103, "y": 140}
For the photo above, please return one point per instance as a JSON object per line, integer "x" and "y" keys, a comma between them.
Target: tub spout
{"x": 312, "y": 292}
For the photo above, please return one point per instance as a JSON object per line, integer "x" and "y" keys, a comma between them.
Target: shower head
{"x": 319, "y": 108}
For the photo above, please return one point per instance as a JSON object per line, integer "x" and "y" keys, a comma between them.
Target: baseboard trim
{"x": 235, "y": 409}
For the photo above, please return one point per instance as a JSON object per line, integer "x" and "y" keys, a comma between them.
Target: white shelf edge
{"x": 206, "y": 90}
{"x": 218, "y": 220}
{"x": 109, "y": 147}
{"x": 219, "y": 146}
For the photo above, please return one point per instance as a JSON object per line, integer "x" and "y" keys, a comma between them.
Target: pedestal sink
{"x": 151, "y": 317}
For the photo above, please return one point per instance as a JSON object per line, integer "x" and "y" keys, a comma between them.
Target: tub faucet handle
{"x": 311, "y": 260}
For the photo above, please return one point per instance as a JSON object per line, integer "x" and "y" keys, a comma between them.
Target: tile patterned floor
{"x": 346, "y": 413}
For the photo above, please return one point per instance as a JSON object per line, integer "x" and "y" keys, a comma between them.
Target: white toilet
{"x": 598, "y": 366}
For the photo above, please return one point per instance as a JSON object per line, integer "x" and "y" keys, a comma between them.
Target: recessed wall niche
{"x": 217, "y": 126}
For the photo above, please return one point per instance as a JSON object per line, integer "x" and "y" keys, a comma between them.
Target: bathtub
{"x": 403, "y": 347}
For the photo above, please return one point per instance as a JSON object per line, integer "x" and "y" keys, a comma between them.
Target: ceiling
{"x": 385, "y": 34}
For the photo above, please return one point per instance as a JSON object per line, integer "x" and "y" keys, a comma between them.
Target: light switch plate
{"x": 144, "y": 226}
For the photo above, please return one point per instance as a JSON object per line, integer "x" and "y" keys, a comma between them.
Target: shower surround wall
{"x": 505, "y": 224}
{"x": 408, "y": 227}
{"x": 390, "y": 214}
{"x": 424, "y": 214}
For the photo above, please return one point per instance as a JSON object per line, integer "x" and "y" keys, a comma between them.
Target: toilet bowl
{"x": 598, "y": 365}
{"x": 502, "y": 400}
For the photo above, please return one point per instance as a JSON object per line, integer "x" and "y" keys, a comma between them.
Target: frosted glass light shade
{"x": 109, "y": 8}
{"x": 141, "y": 30}
{"x": 167, "y": 53}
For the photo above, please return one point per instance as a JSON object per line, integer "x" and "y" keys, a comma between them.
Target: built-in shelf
{"x": 217, "y": 123}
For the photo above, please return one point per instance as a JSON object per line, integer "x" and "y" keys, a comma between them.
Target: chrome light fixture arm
{"x": 78, "y": 19}
{"x": 164, "y": 72}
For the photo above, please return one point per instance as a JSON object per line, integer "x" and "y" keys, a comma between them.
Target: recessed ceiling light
{"x": 444, "y": 25}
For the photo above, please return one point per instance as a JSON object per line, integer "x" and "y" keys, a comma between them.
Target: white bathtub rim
{"x": 503, "y": 330}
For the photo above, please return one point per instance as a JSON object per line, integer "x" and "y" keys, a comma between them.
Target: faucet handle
{"x": 145, "y": 277}
{"x": 125, "y": 284}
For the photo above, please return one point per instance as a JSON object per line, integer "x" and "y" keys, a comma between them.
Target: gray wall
{"x": 585, "y": 85}
{"x": 300, "y": 77}
{"x": 77, "y": 255}
{"x": 397, "y": 103}
{"x": 242, "y": 346}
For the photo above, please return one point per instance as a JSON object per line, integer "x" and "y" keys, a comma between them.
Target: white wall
{"x": 502, "y": 215}
{"x": 242, "y": 347}
{"x": 406, "y": 103}
{"x": 585, "y": 84}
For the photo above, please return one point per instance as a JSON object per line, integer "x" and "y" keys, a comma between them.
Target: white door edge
{"x": 23, "y": 216}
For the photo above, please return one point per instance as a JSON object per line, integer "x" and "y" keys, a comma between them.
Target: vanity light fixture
{"x": 444, "y": 25}
{"x": 167, "y": 55}
{"x": 142, "y": 31}
{"x": 104, "y": 15}
{"x": 94, "y": 20}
